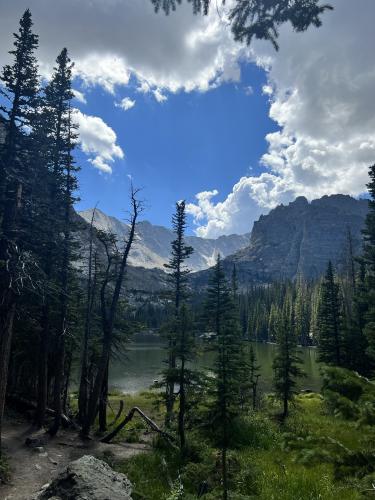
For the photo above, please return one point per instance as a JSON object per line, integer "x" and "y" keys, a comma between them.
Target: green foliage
{"x": 4, "y": 470}
{"x": 330, "y": 326}
{"x": 259, "y": 19}
{"x": 286, "y": 362}
{"x": 368, "y": 292}
{"x": 349, "y": 395}
{"x": 254, "y": 431}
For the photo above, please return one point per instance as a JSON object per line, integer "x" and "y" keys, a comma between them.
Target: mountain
{"x": 153, "y": 244}
{"x": 299, "y": 238}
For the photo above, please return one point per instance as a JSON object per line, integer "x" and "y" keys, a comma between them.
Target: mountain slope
{"x": 153, "y": 244}
{"x": 299, "y": 238}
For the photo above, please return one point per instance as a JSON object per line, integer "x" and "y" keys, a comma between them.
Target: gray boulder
{"x": 88, "y": 479}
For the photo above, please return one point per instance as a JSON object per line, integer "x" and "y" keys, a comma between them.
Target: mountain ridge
{"x": 298, "y": 239}
{"x": 152, "y": 246}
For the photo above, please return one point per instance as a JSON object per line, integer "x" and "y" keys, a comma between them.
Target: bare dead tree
{"x": 84, "y": 382}
{"x": 108, "y": 311}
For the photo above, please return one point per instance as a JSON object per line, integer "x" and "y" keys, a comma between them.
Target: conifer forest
{"x": 156, "y": 343}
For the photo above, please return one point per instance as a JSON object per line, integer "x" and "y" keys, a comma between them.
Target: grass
{"x": 134, "y": 430}
{"x": 264, "y": 465}
{"x": 317, "y": 454}
{"x": 4, "y": 470}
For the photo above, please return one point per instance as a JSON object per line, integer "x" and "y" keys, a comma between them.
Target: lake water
{"x": 144, "y": 362}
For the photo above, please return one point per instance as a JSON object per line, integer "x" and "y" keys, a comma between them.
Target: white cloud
{"x": 159, "y": 96}
{"x": 126, "y": 103}
{"x": 98, "y": 140}
{"x": 108, "y": 44}
{"x": 80, "y": 96}
{"x": 321, "y": 85}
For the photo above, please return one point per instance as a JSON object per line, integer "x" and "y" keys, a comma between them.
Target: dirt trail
{"x": 31, "y": 469}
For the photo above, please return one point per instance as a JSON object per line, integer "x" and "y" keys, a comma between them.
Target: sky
{"x": 175, "y": 105}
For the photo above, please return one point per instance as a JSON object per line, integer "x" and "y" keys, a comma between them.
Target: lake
{"x": 144, "y": 361}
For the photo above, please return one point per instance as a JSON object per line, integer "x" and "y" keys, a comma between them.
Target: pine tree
{"x": 302, "y": 312}
{"x": 60, "y": 184}
{"x": 254, "y": 370}
{"x": 223, "y": 322}
{"x": 329, "y": 321}
{"x": 369, "y": 264}
{"x": 177, "y": 279}
{"x": 19, "y": 88}
{"x": 286, "y": 362}
{"x": 259, "y": 19}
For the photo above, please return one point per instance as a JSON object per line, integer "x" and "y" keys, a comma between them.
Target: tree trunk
{"x": 224, "y": 472}
{"x": 84, "y": 380}
{"x": 181, "y": 413}
{"x": 7, "y": 312}
{"x": 170, "y": 397}
{"x": 128, "y": 418}
{"x": 108, "y": 319}
{"x": 103, "y": 404}
{"x": 43, "y": 370}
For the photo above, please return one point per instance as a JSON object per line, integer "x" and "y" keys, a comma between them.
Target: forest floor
{"x": 30, "y": 469}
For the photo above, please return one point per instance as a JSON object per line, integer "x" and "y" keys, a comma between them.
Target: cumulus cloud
{"x": 126, "y": 103}
{"x": 98, "y": 141}
{"x": 180, "y": 51}
{"x": 320, "y": 86}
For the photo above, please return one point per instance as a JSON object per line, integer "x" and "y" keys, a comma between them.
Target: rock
{"x": 298, "y": 239}
{"x": 88, "y": 479}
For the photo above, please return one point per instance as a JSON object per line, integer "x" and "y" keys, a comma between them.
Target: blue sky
{"x": 194, "y": 132}
{"x": 175, "y": 149}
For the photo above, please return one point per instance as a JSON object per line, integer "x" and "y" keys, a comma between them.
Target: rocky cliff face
{"x": 153, "y": 244}
{"x": 301, "y": 238}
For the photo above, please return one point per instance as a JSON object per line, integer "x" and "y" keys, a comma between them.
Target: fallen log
{"x": 108, "y": 438}
{"x": 118, "y": 415}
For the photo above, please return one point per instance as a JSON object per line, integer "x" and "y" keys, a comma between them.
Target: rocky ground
{"x": 33, "y": 467}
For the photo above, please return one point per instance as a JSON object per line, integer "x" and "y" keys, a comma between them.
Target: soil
{"x": 33, "y": 468}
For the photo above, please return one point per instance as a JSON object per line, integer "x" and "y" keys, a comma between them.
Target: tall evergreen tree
{"x": 225, "y": 391}
{"x": 254, "y": 374}
{"x": 369, "y": 264}
{"x": 177, "y": 279}
{"x": 286, "y": 362}
{"x": 57, "y": 216}
{"x": 302, "y": 312}
{"x": 19, "y": 88}
{"x": 329, "y": 321}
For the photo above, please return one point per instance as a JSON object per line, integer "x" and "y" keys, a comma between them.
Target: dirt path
{"x": 32, "y": 469}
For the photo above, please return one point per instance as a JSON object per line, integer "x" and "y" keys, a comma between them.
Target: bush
{"x": 341, "y": 406}
{"x": 344, "y": 382}
{"x": 254, "y": 430}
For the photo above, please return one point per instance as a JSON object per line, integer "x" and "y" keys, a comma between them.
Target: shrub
{"x": 254, "y": 430}
{"x": 344, "y": 382}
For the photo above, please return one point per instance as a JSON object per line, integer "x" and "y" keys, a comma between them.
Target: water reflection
{"x": 144, "y": 362}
